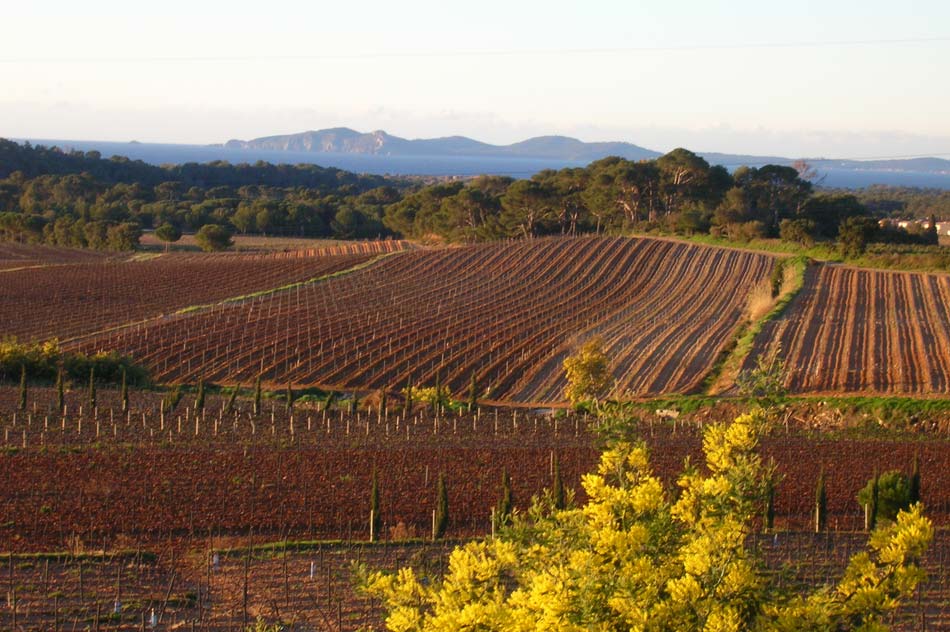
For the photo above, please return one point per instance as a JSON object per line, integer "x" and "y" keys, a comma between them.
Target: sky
{"x": 849, "y": 79}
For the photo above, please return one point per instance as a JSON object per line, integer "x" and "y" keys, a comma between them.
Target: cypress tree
{"x": 377, "y": 521}
{"x": 558, "y": 485}
{"x": 382, "y": 401}
{"x": 200, "y": 396}
{"x": 354, "y": 403}
{"x": 407, "y": 404}
{"x": 821, "y": 503}
{"x": 441, "y": 508}
{"x": 875, "y": 491}
{"x": 60, "y": 390}
{"x": 229, "y": 407}
{"x": 124, "y": 392}
{"x": 92, "y": 387}
{"x": 22, "y": 403}
{"x": 290, "y": 399}
{"x": 437, "y": 402}
{"x": 770, "y": 506}
{"x": 503, "y": 511}
{"x": 472, "y": 394}
{"x": 331, "y": 397}
{"x": 257, "y": 396}
{"x": 913, "y": 494}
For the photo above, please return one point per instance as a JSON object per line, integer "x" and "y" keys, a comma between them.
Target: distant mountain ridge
{"x": 343, "y": 140}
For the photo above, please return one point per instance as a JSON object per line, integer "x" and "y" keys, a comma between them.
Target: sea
{"x": 515, "y": 167}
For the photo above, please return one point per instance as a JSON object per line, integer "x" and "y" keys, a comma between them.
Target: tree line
{"x": 79, "y": 199}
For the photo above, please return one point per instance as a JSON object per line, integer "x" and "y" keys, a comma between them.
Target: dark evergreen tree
{"x": 376, "y": 519}
{"x": 557, "y": 486}
{"x": 821, "y": 503}
{"x": 504, "y": 508}
{"x": 200, "y": 397}
{"x": 22, "y": 402}
{"x": 914, "y": 491}
{"x": 257, "y": 396}
{"x": 124, "y": 392}
{"x": 290, "y": 399}
{"x": 441, "y": 508}
{"x": 229, "y": 407}
{"x": 60, "y": 390}
{"x": 92, "y": 388}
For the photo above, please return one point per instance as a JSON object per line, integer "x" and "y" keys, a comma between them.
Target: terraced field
{"x": 854, "y": 330}
{"x": 506, "y": 313}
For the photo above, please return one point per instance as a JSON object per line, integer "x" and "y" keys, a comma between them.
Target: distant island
{"x": 343, "y": 140}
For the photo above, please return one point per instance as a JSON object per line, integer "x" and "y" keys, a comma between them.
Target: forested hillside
{"x": 82, "y": 200}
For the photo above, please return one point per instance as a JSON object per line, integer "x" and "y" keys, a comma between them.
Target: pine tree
{"x": 22, "y": 404}
{"x": 821, "y": 503}
{"x": 92, "y": 388}
{"x": 257, "y": 396}
{"x": 441, "y": 508}
{"x": 914, "y": 493}
{"x": 200, "y": 396}
{"x": 124, "y": 393}
{"x": 377, "y": 521}
{"x": 557, "y": 487}
{"x": 60, "y": 391}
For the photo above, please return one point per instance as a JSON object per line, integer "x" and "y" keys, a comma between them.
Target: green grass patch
{"x": 732, "y": 358}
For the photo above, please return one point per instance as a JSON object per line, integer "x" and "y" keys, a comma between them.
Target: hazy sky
{"x": 804, "y": 78}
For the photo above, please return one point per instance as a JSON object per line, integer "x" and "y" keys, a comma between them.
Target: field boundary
{"x": 722, "y": 377}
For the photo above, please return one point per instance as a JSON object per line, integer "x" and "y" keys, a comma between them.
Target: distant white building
{"x": 943, "y": 228}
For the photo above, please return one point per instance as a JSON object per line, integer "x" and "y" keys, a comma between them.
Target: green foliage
{"x": 61, "y": 388}
{"x": 168, "y": 232}
{"x": 854, "y": 234}
{"x": 766, "y": 380}
{"x": 799, "y": 231}
{"x": 213, "y": 237}
{"x": 441, "y": 508}
{"x": 637, "y": 557}
{"x": 588, "y": 373}
{"x": 45, "y": 361}
{"x": 260, "y": 625}
{"x": 888, "y": 494}
{"x": 472, "y": 394}
{"x": 257, "y": 397}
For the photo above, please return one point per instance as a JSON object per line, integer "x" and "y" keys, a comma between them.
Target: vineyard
{"x": 503, "y": 314}
{"x": 146, "y": 505}
{"x": 853, "y": 330}
{"x": 65, "y": 301}
{"x": 215, "y": 587}
{"x": 14, "y": 255}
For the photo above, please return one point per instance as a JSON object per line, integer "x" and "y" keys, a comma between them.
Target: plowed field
{"x": 65, "y": 301}
{"x": 854, "y": 330}
{"x": 506, "y": 313}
